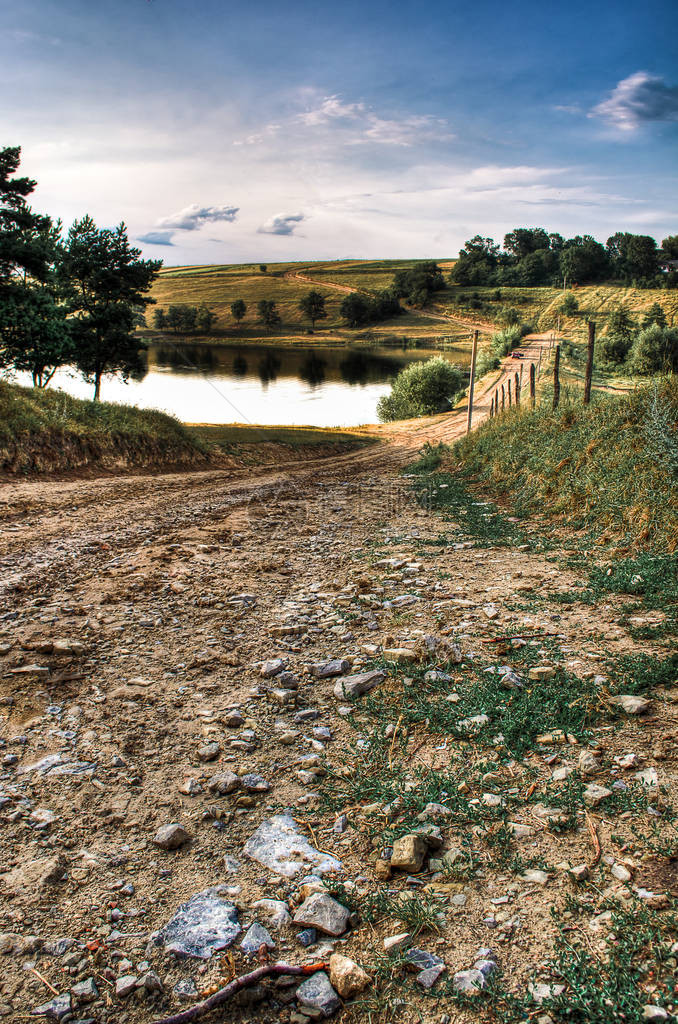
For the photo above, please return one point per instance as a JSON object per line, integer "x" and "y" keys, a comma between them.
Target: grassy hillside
{"x": 218, "y": 287}
{"x": 610, "y": 468}
{"x": 48, "y": 431}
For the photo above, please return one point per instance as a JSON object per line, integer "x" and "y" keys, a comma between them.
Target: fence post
{"x": 518, "y": 388}
{"x": 496, "y": 401}
{"x": 556, "y": 378}
{"x": 474, "y": 352}
{"x": 533, "y": 385}
{"x": 508, "y": 385}
{"x": 589, "y": 362}
{"x": 491, "y": 408}
{"x": 503, "y": 398}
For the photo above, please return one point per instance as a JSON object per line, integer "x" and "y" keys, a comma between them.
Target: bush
{"x": 422, "y": 389}
{"x": 569, "y": 306}
{"x": 504, "y": 341}
{"x": 487, "y": 360}
{"x": 655, "y": 350}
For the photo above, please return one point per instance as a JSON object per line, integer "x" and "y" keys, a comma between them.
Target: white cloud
{"x": 635, "y": 100}
{"x": 331, "y": 108}
{"x": 193, "y": 217}
{"x": 281, "y": 224}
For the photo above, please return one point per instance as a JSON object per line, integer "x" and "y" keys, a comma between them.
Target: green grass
{"x": 50, "y": 430}
{"x": 597, "y": 468}
{"x": 231, "y": 436}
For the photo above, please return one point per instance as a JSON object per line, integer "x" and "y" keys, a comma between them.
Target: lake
{"x": 324, "y": 386}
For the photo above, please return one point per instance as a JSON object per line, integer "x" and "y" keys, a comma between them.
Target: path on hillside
{"x": 428, "y": 314}
{"x": 159, "y": 707}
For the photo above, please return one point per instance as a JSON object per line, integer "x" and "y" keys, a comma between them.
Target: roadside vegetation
{"x": 422, "y": 389}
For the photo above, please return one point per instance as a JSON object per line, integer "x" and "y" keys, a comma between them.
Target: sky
{"x": 260, "y": 131}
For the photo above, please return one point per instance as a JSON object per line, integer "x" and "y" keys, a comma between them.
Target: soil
{"x": 169, "y": 591}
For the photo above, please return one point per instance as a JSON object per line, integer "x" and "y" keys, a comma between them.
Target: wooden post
{"x": 508, "y": 384}
{"x": 533, "y": 384}
{"x": 589, "y": 362}
{"x": 539, "y": 364}
{"x": 491, "y": 408}
{"x": 496, "y": 401}
{"x": 474, "y": 353}
{"x": 503, "y": 398}
{"x": 556, "y": 378}
{"x": 518, "y": 388}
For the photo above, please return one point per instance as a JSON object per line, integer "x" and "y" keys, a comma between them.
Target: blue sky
{"x": 225, "y": 132}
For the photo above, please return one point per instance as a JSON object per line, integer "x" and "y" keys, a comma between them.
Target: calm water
{"x": 318, "y": 386}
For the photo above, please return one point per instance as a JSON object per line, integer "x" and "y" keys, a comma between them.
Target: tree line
{"x": 533, "y": 257}
{"x": 71, "y": 298}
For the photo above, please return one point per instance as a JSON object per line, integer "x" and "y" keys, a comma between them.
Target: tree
{"x": 268, "y": 314}
{"x": 522, "y": 241}
{"x": 422, "y": 389}
{"x": 569, "y": 306}
{"x": 356, "y": 309}
{"x": 34, "y": 333}
{"x": 205, "y": 319}
{"x": 106, "y": 285}
{"x": 655, "y": 350}
{"x": 313, "y": 306}
{"x": 670, "y": 247}
{"x": 417, "y": 284}
{"x": 615, "y": 346}
{"x": 182, "y": 318}
{"x": 633, "y": 257}
{"x": 238, "y": 310}
{"x": 263, "y": 268}
{"x": 477, "y": 263}
{"x": 159, "y": 319}
{"x": 582, "y": 260}
{"x": 654, "y": 315}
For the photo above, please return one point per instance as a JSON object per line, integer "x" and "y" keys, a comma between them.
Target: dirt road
{"x": 214, "y": 685}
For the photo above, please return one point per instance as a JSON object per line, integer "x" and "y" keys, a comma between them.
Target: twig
{"x": 517, "y": 636}
{"x": 395, "y": 733}
{"x": 44, "y": 981}
{"x": 594, "y": 839}
{"x": 313, "y": 837}
{"x": 224, "y": 994}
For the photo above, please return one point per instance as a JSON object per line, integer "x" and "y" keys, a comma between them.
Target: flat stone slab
{"x": 201, "y": 926}
{"x": 324, "y": 913}
{"x": 356, "y": 685}
{"x": 317, "y": 993}
{"x": 279, "y": 846}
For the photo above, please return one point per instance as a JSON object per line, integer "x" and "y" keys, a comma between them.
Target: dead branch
{"x": 237, "y": 985}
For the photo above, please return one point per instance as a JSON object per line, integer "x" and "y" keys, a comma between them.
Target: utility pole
{"x": 474, "y": 353}
{"x": 589, "y": 362}
{"x": 556, "y": 378}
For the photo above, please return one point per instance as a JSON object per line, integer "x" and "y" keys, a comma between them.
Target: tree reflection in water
{"x": 312, "y": 370}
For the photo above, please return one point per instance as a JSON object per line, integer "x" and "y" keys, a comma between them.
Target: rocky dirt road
{"x": 276, "y": 716}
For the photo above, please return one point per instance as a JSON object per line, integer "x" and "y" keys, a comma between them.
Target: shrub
{"x": 655, "y": 350}
{"x": 569, "y": 306}
{"x": 487, "y": 360}
{"x": 422, "y": 389}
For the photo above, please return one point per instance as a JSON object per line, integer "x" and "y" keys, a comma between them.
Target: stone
{"x": 324, "y": 913}
{"x": 471, "y": 981}
{"x": 540, "y": 991}
{"x": 209, "y": 751}
{"x": 35, "y": 874}
{"x": 256, "y": 937}
{"x": 279, "y": 846}
{"x": 203, "y": 925}
{"x": 648, "y": 777}
{"x": 588, "y": 763}
{"x": 317, "y": 993}
{"x": 85, "y": 991}
{"x": 561, "y": 773}
{"x": 171, "y": 837}
{"x": 620, "y": 872}
{"x": 594, "y": 794}
{"x": 327, "y": 669}
{"x": 223, "y": 783}
{"x": 151, "y": 982}
{"x": 421, "y": 960}
{"x": 254, "y": 783}
{"x": 654, "y": 1014}
{"x": 271, "y": 668}
{"x": 393, "y": 943}
{"x": 347, "y": 977}
{"x": 579, "y": 872}
{"x": 185, "y": 990}
{"x": 434, "y": 811}
{"x": 125, "y": 985}
{"x": 408, "y": 853}
{"x": 630, "y": 704}
{"x": 535, "y": 876}
{"x": 56, "y": 1008}
{"x": 382, "y": 869}
{"x": 347, "y": 687}
{"x": 485, "y": 966}
{"x": 540, "y": 673}
{"x": 400, "y": 654}
{"x": 428, "y": 977}
{"x": 307, "y": 937}
{"x": 190, "y": 787}
{"x": 274, "y": 912}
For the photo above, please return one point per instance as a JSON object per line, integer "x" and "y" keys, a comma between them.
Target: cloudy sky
{"x": 223, "y": 132}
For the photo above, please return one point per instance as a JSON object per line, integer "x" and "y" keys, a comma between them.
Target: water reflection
{"x": 321, "y": 385}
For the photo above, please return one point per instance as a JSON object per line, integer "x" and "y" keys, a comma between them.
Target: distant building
{"x": 668, "y": 264}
